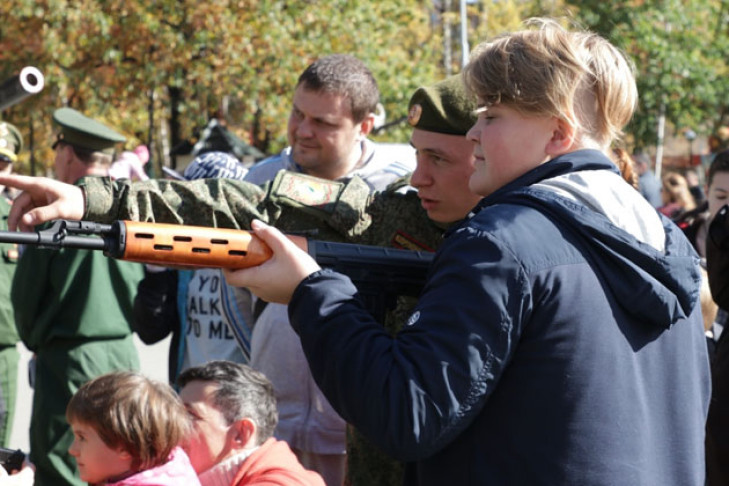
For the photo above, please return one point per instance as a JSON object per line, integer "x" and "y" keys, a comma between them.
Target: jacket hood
{"x": 645, "y": 260}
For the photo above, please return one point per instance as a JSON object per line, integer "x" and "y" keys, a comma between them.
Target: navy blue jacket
{"x": 550, "y": 345}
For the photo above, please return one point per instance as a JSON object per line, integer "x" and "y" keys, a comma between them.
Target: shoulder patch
{"x": 306, "y": 190}
{"x": 404, "y": 241}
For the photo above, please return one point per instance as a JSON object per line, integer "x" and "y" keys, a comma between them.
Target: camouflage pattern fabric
{"x": 228, "y": 203}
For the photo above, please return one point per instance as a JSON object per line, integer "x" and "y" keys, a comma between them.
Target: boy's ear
{"x": 563, "y": 138}
{"x": 124, "y": 455}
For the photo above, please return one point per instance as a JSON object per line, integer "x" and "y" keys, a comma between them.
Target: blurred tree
{"x": 158, "y": 71}
{"x": 172, "y": 64}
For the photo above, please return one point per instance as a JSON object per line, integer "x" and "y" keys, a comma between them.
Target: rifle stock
{"x": 16, "y": 88}
{"x": 380, "y": 274}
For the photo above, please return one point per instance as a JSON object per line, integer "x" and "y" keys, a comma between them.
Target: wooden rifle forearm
{"x": 193, "y": 246}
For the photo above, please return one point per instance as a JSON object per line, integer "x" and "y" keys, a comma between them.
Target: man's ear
{"x": 367, "y": 125}
{"x": 63, "y": 148}
{"x": 563, "y": 138}
{"x": 244, "y": 434}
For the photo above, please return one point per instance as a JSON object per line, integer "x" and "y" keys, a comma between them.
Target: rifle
{"x": 380, "y": 274}
{"x": 16, "y": 88}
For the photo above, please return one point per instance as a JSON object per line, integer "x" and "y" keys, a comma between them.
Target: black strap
{"x": 258, "y": 308}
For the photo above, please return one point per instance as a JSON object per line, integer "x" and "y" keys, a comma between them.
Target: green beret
{"x": 443, "y": 107}
{"x": 11, "y": 142}
{"x": 83, "y": 132}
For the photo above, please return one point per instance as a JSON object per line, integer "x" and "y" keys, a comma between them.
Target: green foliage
{"x": 162, "y": 68}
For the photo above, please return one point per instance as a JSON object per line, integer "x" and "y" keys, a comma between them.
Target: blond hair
{"x": 129, "y": 411}
{"x": 626, "y": 165}
{"x": 578, "y": 77}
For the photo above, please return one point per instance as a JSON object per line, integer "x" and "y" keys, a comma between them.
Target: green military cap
{"x": 11, "y": 142}
{"x": 83, "y": 132}
{"x": 443, "y": 107}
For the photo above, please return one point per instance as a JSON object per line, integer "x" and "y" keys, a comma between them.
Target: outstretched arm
{"x": 42, "y": 200}
{"x": 222, "y": 203}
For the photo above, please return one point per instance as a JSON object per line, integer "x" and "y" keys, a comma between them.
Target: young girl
{"x": 127, "y": 430}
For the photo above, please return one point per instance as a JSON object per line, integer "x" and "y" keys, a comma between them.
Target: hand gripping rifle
{"x": 380, "y": 274}
{"x": 16, "y": 88}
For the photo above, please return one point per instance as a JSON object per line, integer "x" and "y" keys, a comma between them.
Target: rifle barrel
{"x": 45, "y": 241}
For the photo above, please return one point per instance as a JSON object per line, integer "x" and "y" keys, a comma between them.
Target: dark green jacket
{"x": 72, "y": 295}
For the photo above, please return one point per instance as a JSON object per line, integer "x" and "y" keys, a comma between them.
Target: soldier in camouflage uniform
{"x": 398, "y": 217}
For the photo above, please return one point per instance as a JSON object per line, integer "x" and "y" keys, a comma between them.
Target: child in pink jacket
{"x": 127, "y": 430}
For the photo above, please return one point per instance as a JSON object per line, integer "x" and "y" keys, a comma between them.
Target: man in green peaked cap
{"x": 11, "y": 143}
{"x": 72, "y": 308}
{"x": 84, "y": 146}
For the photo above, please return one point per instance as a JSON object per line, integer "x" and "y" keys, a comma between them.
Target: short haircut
{"x": 344, "y": 75}
{"x": 719, "y": 164}
{"x": 87, "y": 156}
{"x": 144, "y": 417}
{"x": 578, "y": 77}
{"x": 242, "y": 392}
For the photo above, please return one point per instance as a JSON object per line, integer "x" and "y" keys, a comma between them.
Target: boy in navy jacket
{"x": 558, "y": 339}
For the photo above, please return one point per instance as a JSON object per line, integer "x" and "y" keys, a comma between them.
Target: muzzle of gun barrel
{"x": 15, "y": 89}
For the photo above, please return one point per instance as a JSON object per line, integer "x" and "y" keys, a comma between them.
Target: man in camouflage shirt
{"x": 397, "y": 217}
